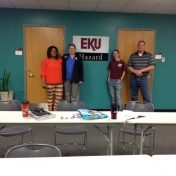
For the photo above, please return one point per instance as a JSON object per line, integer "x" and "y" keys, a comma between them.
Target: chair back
{"x": 70, "y": 106}
{"x": 139, "y": 106}
{"x": 10, "y": 105}
{"x": 38, "y": 105}
{"x": 23, "y": 151}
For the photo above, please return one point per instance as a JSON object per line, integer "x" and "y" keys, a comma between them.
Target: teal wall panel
{"x": 94, "y": 90}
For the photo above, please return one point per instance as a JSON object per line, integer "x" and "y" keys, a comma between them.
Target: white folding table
{"x": 166, "y": 163}
{"x": 62, "y": 118}
{"x": 152, "y": 118}
{"x": 137, "y": 165}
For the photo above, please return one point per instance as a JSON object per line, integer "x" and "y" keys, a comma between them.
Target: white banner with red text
{"x": 93, "y": 48}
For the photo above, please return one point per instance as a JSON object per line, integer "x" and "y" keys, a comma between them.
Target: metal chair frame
{"x": 69, "y": 130}
{"x": 13, "y": 105}
{"x": 75, "y": 143}
{"x": 23, "y": 151}
{"x": 149, "y": 131}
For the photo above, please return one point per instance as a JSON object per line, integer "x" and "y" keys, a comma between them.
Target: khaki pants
{"x": 71, "y": 90}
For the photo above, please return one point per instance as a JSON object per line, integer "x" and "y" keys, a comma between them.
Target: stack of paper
{"x": 127, "y": 114}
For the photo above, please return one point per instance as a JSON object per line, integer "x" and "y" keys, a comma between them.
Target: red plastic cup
{"x": 25, "y": 108}
{"x": 114, "y": 111}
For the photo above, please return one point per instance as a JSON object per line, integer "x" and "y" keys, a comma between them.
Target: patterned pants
{"x": 54, "y": 92}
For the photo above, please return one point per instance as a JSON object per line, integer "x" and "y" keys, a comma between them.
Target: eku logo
{"x": 91, "y": 43}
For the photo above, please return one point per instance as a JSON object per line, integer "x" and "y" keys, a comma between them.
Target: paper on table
{"x": 127, "y": 114}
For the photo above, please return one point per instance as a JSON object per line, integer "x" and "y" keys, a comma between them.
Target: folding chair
{"x": 24, "y": 151}
{"x": 130, "y": 129}
{"x": 13, "y": 105}
{"x": 71, "y": 130}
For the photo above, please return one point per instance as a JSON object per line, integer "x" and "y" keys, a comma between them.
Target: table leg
{"x": 111, "y": 140}
{"x": 108, "y": 142}
{"x": 134, "y": 144}
{"x": 141, "y": 145}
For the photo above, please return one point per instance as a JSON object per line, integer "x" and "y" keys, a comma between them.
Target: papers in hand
{"x": 127, "y": 114}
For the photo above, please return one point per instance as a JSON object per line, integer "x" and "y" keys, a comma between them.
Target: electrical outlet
{"x": 163, "y": 59}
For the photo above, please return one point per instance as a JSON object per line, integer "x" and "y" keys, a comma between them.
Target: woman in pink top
{"x": 51, "y": 75}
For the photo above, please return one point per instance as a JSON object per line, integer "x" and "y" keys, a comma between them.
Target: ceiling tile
{"x": 26, "y": 4}
{"x": 84, "y": 6}
{"x": 53, "y": 1}
{"x": 6, "y": 3}
{"x": 161, "y": 9}
{"x": 54, "y": 5}
{"x": 174, "y": 12}
{"x": 132, "y": 6}
{"x": 82, "y": 1}
{"x": 115, "y": 1}
{"x": 109, "y": 7}
{"x": 136, "y": 8}
{"x": 169, "y": 3}
{"x": 145, "y": 2}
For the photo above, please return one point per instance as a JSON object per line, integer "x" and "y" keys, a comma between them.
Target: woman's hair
{"x": 49, "y": 51}
{"x": 115, "y": 50}
{"x": 72, "y": 45}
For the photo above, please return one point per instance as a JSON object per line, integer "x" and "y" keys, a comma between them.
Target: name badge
{"x": 119, "y": 65}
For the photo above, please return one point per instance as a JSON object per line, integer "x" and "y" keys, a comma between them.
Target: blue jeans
{"x": 142, "y": 83}
{"x": 115, "y": 89}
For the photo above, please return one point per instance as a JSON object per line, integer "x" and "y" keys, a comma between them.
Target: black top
{"x": 78, "y": 73}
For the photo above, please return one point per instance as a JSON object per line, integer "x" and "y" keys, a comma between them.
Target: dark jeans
{"x": 142, "y": 83}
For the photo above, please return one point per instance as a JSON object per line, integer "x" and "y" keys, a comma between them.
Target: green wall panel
{"x": 94, "y": 91}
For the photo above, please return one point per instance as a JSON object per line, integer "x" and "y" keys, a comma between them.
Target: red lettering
{"x": 97, "y": 43}
{"x": 83, "y": 43}
{"x": 90, "y": 44}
